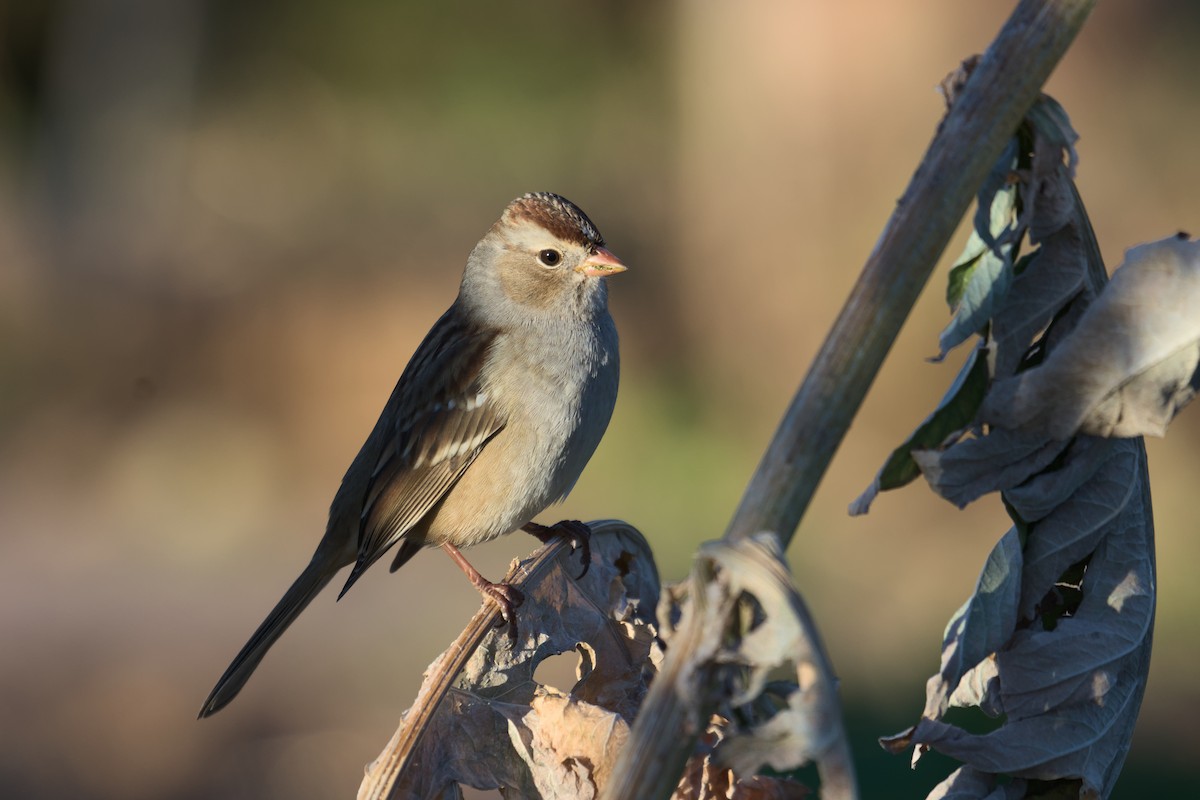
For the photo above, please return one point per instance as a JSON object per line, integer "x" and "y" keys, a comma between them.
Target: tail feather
{"x": 311, "y": 581}
{"x": 360, "y": 567}
{"x": 408, "y": 548}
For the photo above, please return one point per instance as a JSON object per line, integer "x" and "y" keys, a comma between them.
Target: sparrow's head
{"x": 542, "y": 257}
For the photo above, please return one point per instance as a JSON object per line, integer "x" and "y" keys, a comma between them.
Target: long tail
{"x": 311, "y": 581}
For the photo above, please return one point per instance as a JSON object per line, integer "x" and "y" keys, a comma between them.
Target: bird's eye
{"x": 549, "y": 257}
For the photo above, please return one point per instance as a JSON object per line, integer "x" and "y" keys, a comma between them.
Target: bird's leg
{"x": 575, "y": 532}
{"x": 505, "y": 596}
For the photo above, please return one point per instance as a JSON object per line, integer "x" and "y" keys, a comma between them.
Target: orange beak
{"x": 601, "y": 264}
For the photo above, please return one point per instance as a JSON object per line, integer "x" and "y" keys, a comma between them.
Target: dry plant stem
{"x": 382, "y": 775}
{"x": 836, "y": 765}
{"x": 1002, "y": 88}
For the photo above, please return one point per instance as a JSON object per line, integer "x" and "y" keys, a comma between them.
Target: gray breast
{"x": 597, "y": 395}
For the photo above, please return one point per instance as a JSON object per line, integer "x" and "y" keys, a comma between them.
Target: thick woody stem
{"x": 1001, "y": 89}
{"x": 984, "y": 116}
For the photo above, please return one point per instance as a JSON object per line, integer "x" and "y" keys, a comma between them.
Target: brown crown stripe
{"x": 558, "y": 215}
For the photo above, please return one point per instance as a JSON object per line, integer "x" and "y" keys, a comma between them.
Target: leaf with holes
{"x": 481, "y": 718}
{"x": 1055, "y": 641}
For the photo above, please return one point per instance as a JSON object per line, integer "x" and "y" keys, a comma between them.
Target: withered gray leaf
{"x": 954, "y": 413}
{"x": 1071, "y": 694}
{"x": 1046, "y": 491}
{"x": 981, "y": 627}
{"x": 980, "y": 278}
{"x": 969, "y": 784}
{"x": 1047, "y": 197}
{"x": 1076, "y": 526}
{"x": 810, "y": 723}
{"x": 703, "y": 779}
{"x": 744, "y": 623}
{"x": 1053, "y": 274}
{"x": 1055, "y": 641}
{"x": 971, "y": 468}
{"x": 1130, "y": 363}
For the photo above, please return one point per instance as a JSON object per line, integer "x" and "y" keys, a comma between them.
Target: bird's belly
{"x": 502, "y": 490}
{"x": 532, "y": 463}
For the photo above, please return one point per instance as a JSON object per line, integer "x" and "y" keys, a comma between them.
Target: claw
{"x": 575, "y": 532}
{"x": 507, "y": 599}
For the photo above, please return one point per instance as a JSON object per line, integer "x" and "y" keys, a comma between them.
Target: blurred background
{"x": 224, "y": 227}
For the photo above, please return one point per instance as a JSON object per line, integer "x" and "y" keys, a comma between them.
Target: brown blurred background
{"x": 225, "y": 226}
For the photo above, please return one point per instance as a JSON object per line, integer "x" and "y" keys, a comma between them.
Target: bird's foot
{"x": 577, "y": 534}
{"x": 507, "y": 598}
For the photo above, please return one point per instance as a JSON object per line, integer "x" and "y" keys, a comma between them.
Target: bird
{"x": 492, "y": 420}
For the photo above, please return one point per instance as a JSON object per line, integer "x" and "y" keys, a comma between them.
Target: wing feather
{"x": 437, "y": 421}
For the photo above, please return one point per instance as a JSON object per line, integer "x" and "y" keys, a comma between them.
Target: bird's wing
{"x": 437, "y": 421}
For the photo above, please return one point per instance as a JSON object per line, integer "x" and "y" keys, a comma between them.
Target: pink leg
{"x": 503, "y": 595}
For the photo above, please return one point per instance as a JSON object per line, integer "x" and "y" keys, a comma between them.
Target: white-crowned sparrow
{"x": 492, "y": 420}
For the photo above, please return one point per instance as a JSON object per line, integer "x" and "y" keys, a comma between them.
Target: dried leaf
{"x": 568, "y": 745}
{"x": 969, "y": 784}
{"x": 971, "y": 468}
{"x": 1052, "y": 276}
{"x": 706, "y": 781}
{"x": 481, "y": 719}
{"x": 760, "y": 787}
{"x": 1076, "y": 526}
{"x": 1048, "y": 200}
{"x": 1055, "y": 641}
{"x": 703, "y": 779}
{"x": 1043, "y": 493}
{"x": 955, "y": 412}
{"x": 744, "y": 623}
{"x": 986, "y": 291}
{"x": 980, "y": 278}
{"x": 981, "y": 627}
{"x": 1071, "y": 694}
{"x": 1129, "y": 365}
{"x": 806, "y": 723}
